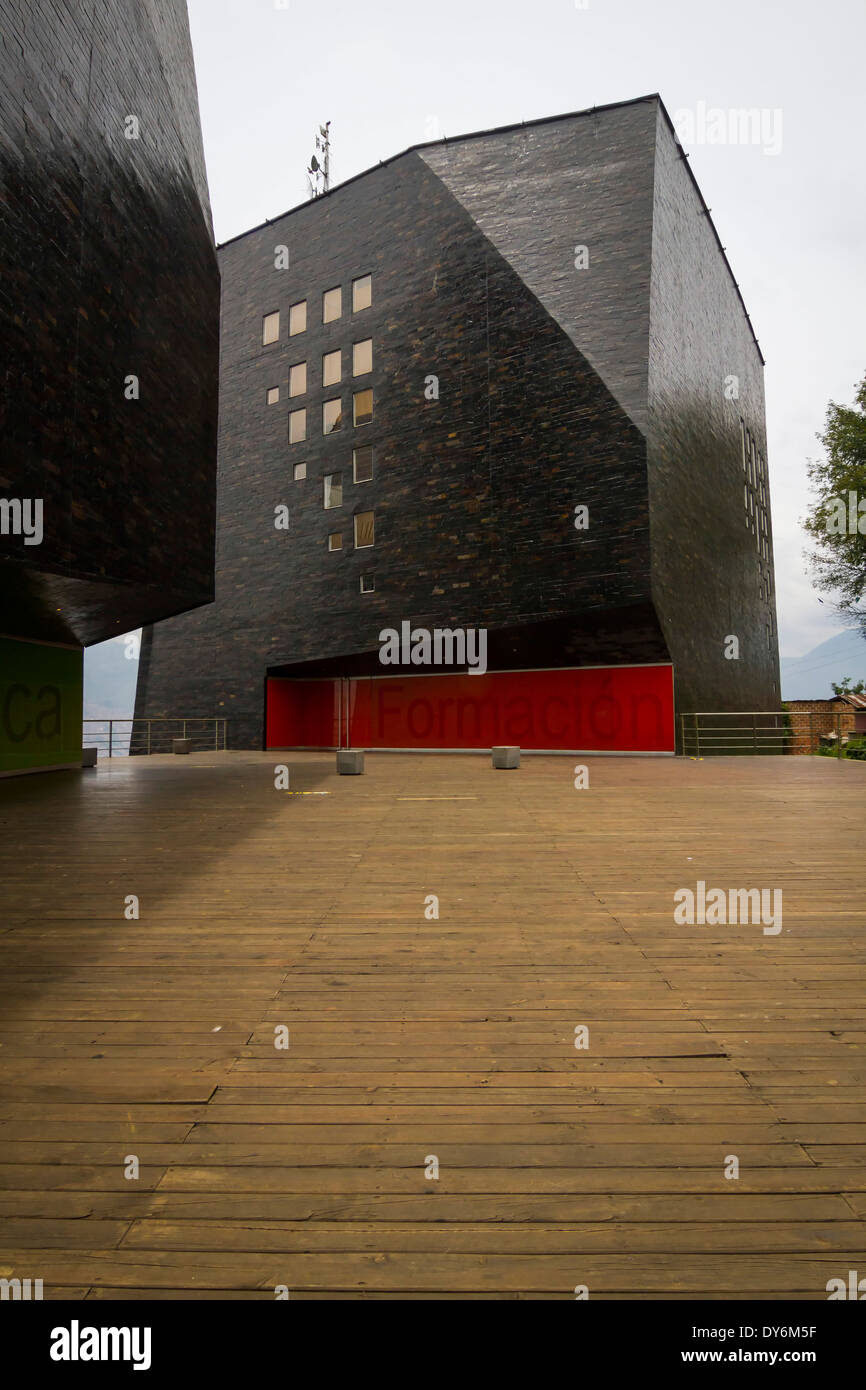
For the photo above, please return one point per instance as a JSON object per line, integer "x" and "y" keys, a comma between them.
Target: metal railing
{"x": 123, "y": 738}
{"x": 762, "y": 732}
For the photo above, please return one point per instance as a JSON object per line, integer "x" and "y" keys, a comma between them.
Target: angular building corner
{"x": 546, "y": 322}
{"x": 109, "y": 337}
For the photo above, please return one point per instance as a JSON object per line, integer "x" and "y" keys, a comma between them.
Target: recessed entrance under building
{"x": 603, "y": 709}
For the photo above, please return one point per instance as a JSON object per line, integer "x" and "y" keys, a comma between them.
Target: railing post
{"x": 148, "y": 738}
{"x": 110, "y": 736}
{"x": 697, "y": 737}
{"x": 754, "y": 733}
{"x": 838, "y": 735}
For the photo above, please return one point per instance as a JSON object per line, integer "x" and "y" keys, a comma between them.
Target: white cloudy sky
{"x": 794, "y": 224}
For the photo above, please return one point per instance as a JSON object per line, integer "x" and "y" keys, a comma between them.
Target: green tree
{"x": 846, "y": 688}
{"x": 837, "y": 521}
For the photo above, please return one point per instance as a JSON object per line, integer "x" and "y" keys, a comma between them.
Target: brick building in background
{"x": 109, "y": 272}
{"x": 814, "y": 720}
{"x": 471, "y": 341}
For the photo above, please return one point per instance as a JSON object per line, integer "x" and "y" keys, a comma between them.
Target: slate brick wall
{"x": 109, "y": 270}
{"x": 474, "y": 494}
{"x": 706, "y": 571}
{"x": 541, "y": 190}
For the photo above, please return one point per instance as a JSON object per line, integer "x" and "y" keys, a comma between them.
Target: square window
{"x": 335, "y": 540}
{"x": 332, "y": 305}
{"x": 368, "y": 584}
{"x": 300, "y": 472}
{"x": 363, "y": 462}
{"x": 332, "y": 368}
{"x": 274, "y": 395}
{"x": 270, "y": 329}
{"x": 362, "y": 358}
{"x": 362, "y": 293}
{"x": 298, "y": 379}
{"x": 363, "y": 407}
{"x": 365, "y": 530}
{"x": 297, "y": 426}
{"x": 298, "y": 319}
{"x": 333, "y": 491}
{"x": 332, "y": 416}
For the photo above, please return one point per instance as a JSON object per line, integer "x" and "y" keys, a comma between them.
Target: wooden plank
{"x": 411, "y": 1155}
{"x": 539, "y": 1238}
{"x": 674, "y": 1178}
{"x": 417, "y": 1207}
{"x": 421, "y": 1272}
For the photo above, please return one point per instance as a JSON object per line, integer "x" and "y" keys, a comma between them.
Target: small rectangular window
{"x": 333, "y": 491}
{"x": 363, "y": 407}
{"x": 270, "y": 329}
{"x": 300, "y": 472}
{"x": 332, "y": 368}
{"x": 297, "y": 426}
{"x": 365, "y": 530}
{"x": 368, "y": 584}
{"x": 332, "y": 305}
{"x": 298, "y": 319}
{"x": 298, "y": 379}
{"x": 274, "y": 395}
{"x": 362, "y": 293}
{"x": 363, "y": 464}
{"x": 362, "y": 358}
{"x": 332, "y": 416}
{"x": 743, "y": 443}
{"x": 335, "y": 540}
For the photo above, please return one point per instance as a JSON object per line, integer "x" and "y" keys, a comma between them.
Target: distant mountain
{"x": 811, "y": 677}
{"x": 109, "y": 681}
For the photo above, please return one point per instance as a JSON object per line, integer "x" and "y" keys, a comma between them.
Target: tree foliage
{"x": 837, "y": 521}
{"x": 846, "y": 688}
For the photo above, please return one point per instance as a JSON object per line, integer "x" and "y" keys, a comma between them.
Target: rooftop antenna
{"x": 319, "y": 172}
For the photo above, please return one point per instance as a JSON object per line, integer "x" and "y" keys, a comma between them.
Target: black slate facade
{"x": 510, "y": 387}
{"x": 109, "y": 273}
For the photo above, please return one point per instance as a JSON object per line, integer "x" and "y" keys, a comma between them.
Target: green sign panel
{"x": 40, "y": 705}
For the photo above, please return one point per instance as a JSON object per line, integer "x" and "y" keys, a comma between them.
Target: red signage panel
{"x": 619, "y": 709}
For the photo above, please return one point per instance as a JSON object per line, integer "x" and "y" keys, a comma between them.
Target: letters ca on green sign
{"x": 40, "y": 705}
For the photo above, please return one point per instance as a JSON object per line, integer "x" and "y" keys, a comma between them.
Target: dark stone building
{"x": 109, "y": 342}
{"x": 546, "y": 321}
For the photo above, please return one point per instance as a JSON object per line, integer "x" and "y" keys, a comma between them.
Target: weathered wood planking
{"x": 412, "y": 1037}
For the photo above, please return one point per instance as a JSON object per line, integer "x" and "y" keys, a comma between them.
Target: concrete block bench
{"x": 181, "y": 745}
{"x": 89, "y": 756}
{"x": 350, "y": 762}
{"x": 506, "y": 758}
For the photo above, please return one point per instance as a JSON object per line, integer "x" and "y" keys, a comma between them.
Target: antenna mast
{"x": 319, "y": 172}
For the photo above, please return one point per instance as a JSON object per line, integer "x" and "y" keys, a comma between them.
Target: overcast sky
{"x": 392, "y": 73}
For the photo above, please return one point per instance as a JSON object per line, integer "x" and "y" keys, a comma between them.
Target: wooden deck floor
{"x": 411, "y": 1038}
